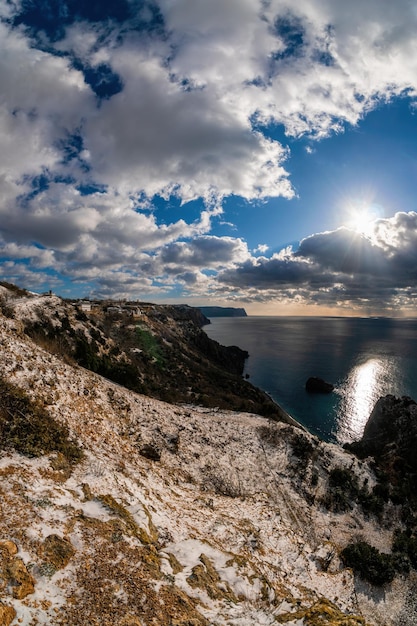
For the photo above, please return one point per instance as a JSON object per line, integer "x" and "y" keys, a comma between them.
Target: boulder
{"x": 22, "y": 582}
{"x": 8, "y": 547}
{"x": 57, "y": 551}
{"x": 318, "y": 385}
{"x": 150, "y": 452}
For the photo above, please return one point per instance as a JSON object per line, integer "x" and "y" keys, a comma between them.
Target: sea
{"x": 364, "y": 358}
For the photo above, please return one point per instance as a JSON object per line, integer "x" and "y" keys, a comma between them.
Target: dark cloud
{"x": 272, "y": 273}
{"x": 344, "y": 251}
{"x": 204, "y": 252}
{"x": 339, "y": 267}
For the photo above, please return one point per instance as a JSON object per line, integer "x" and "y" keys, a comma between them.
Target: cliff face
{"x": 390, "y": 437}
{"x": 138, "y": 512}
{"x": 163, "y": 352}
{"x": 391, "y": 432}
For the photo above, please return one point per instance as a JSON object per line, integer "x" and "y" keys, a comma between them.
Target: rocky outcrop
{"x": 318, "y": 385}
{"x": 16, "y": 576}
{"x": 57, "y": 551}
{"x": 391, "y": 432}
{"x": 390, "y": 437}
{"x": 150, "y": 452}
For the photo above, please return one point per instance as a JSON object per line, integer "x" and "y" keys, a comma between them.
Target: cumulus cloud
{"x": 173, "y": 141}
{"x": 341, "y": 267}
{"x": 114, "y": 104}
{"x": 262, "y": 248}
{"x": 205, "y": 252}
{"x": 311, "y": 66}
{"x": 345, "y": 251}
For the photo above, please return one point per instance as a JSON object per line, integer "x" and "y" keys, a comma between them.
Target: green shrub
{"x": 27, "y": 427}
{"x": 404, "y": 543}
{"x": 343, "y": 490}
{"x": 119, "y": 371}
{"x": 86, "y": 354}
{"x": 342, "y": 478}
{"x": 147, "y": 342}
{"x": 370, "y": 564}
{"x": 371, "y": 503}
{"x": 302, "y": 447}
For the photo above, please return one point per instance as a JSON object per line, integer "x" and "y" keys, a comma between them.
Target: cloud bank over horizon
{"x": 109, "y": 110}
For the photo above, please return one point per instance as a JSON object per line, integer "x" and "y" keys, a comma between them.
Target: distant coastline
{"x": 220, "y": 311}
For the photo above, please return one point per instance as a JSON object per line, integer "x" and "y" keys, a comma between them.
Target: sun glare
{"x": 362, "y": 218}
{"x": 360, "y": 391}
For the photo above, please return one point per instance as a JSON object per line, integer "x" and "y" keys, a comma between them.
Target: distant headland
{"x": 221, "y": 311}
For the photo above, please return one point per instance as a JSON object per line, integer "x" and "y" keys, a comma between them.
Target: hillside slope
{"x": 146, "y": 513}
{"x": 163, "y": 352}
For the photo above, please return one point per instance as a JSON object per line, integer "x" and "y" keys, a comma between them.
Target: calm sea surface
{"x": 364, "y": 358}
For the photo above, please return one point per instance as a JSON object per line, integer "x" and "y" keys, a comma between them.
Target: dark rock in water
{"x": 150, "y": 452}
{"x": 390, "y": 434}
{"x": 318, "y": 385}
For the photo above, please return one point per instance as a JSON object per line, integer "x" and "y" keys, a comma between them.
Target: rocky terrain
{"x": 163, "y": 352}
{"x": 117, "y": 508}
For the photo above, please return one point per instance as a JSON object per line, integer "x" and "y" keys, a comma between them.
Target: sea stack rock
{"x": 391, "y": 433}
{"x": 318, "y": 385}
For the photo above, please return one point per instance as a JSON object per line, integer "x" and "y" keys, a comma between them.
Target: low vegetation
{"x": 371, "y": 565}
{"x": 344, "y": 491}
{"x": 27, "y": 427}
{"x": 379, "y": 568}
{"x": 149, "y": 344}
{"x": 87, "y": 354}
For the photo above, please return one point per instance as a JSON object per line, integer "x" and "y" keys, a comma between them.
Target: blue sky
{"x": 256, "y": 153}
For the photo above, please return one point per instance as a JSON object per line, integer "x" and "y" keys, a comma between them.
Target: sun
{"x": 362, "y": 219}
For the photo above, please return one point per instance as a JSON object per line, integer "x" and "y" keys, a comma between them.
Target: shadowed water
{"x": 364, "y": 358}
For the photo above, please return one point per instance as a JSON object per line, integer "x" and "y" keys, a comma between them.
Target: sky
{"x": 255, "y": 153}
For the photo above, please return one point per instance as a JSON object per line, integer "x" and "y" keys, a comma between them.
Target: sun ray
{"x": 361, "y": 218}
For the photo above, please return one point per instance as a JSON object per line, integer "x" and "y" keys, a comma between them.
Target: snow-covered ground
{"x": 227, "y": 528}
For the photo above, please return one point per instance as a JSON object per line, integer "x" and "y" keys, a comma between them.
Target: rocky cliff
{"x": 390, "y": 437}
{"x": 162, "y": 352}
{"x": 119, "y": 509}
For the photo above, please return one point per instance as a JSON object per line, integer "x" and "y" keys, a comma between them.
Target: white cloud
{"x": 204, "y": 253}
{"x": 157, "y": 137}
{"x": 262, "y": 248}
{"x": 347, "y": 56}
{"x": 183, "y": 124}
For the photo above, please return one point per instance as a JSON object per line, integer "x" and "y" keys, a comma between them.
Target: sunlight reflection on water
{"x": 365, "y": 384}
{"x": 364, "y": 358}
